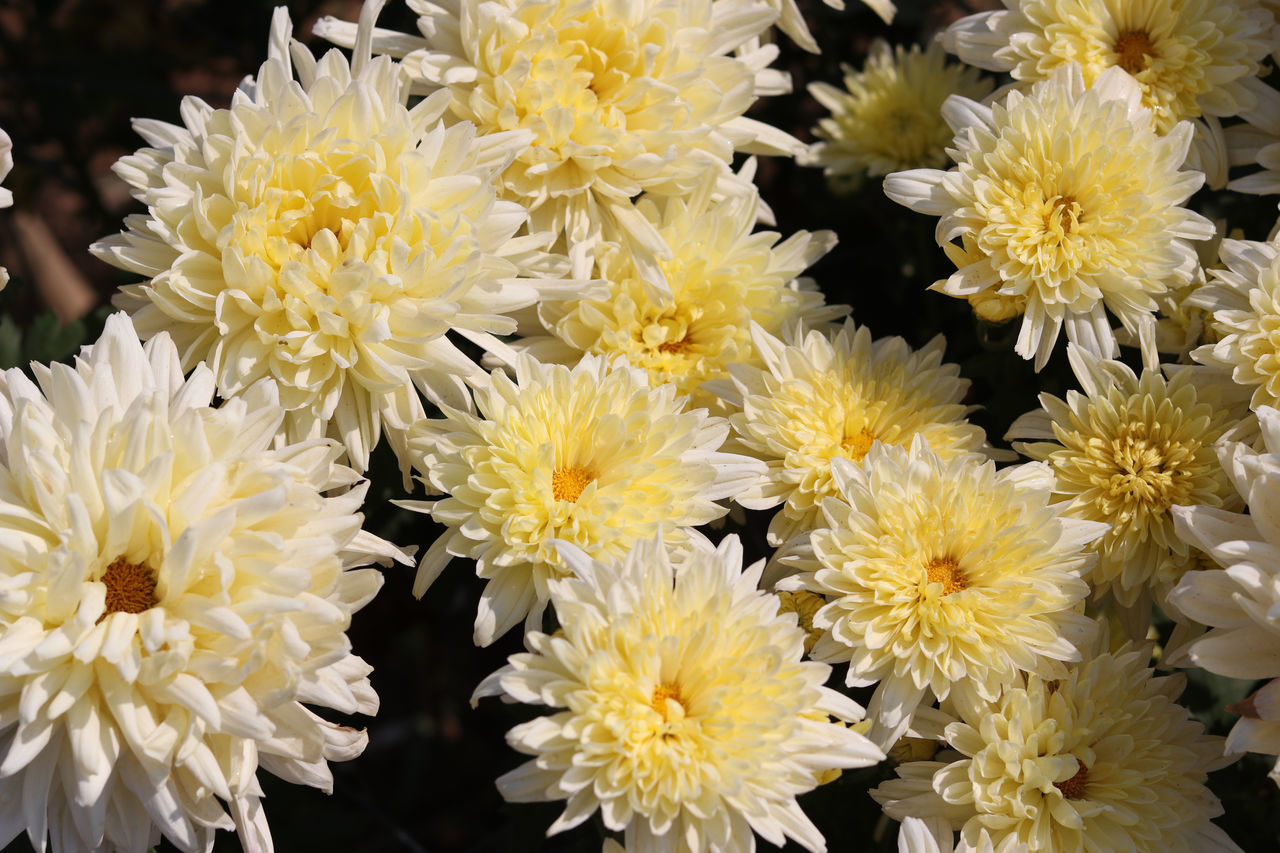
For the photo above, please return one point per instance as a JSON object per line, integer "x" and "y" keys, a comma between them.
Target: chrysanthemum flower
{"x": 1128, "y": 449}
{"x": 721, "y": 278}
{"x": 1103, "y": 758}
{"x": 1244, "y": 305}
{"x": 621, "y": 98}
{"x": 683, "y": 710}
{"x": 1240, "y": 601}
{"x": 1191, "y": 58}
{"x": 943, "y": 576}
{"x": 594, "y": 456}
{"x": 322, "y": 233}
{"x": 1073, "y": 203}
{"x": 888, "y": 117}
{"x": 821, "y": 397}
{"x": 175, "y": 587}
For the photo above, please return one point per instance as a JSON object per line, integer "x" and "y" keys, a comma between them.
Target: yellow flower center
{"x": 674, "y": 346}
{"x": 666, "y": 700}
{"x": 1134, "y": 50}
{"x": 131, "y": 588}
{"x": 567, "y": 483}
{"x": 1073, "y": 788}
{"x": 1064, "y": 214}
{"x": 946, "y": 571}
{"x": 856, "y": 446}
{"x": 1149, "y": 473}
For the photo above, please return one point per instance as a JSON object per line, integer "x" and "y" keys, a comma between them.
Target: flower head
{"x": 1125, "y": 452}
{"x": 1102, "y": 758}
{"x": 683, "y": 710}
{"x": 888, "y": 117}
{"x": 593, "y": 455}
{"x": 823, "y": 397}
{"x": 324, "y": 234}
{"x": 175, "y": 587}
{"x": 1072, "y": 202}
{"x": 943, "y": 575}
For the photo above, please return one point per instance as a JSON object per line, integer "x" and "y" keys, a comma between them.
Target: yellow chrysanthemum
{"x": 721, "y": 278}
{"x": 1191, "y": 57}
{"x": 324, "y": 234}
{"x": 175, "y": 590}
{"x": 594, "y": 456}
{"x": 888, "y": 117}
{"x": 621, "y": 98}
{"x": 683, "y": 710}
{"x": 943, "y": 576}
{"x": 1125, "y": 452}
{"x": 825, "y": 397}
{"x": 1103, "y": 758}
{"x": 1073, "y": 203}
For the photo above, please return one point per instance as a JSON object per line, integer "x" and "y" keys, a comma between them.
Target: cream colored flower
{"x": 322, "y": 233}
{"x": 1191, "y": 58}
{"x": 1239, "y": 601}
{"x": 888, "y": 117}
{"x": 1128, "y": 449}
{"x": 1103, "y": 758}
{"x": 682, "y": 709}
{"x": 175, "y": 587}
{"x": 722, "y": 277}
{"x": 621, "y": 98}
{"x": 1073, "y": 203}
{"x": 594, "y": 456}
{"x": 943, "y": 576}
{"x": 821, "y": 397}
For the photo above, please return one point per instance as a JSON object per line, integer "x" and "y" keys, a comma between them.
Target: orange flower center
{"x": 661, "y": 694}
{"x": 131, "y": 588}
{"x": 856, "y": 446}
{"x": 1073, "y": 788}
{"x": 946, "y": 571}
{"x": 567, "y": 483}
{"x": 1134, "y": 50}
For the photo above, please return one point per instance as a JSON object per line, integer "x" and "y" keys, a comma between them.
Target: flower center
{"x": 1134, "y": 50}
{"x": 1065, "y": 214}
{"x": 131, "y": 588}
{"x": 856, "y": 446}
{"x": 567, "y": 483}
{"x": 666, "y": 700}
{"x": 946, "y": 571}
{"x": 1073, "y": 788}
{"x": 674, "y": 346}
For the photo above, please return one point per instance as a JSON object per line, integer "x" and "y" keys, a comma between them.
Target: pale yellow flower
{"x": 943, "y": 576}
{"x": 1103, "y": 758}
{"x": 821, "y": 397}
{"x": 324, "y": 234}
{"x": 175, "y": 588}
{"x": 721, "y": 278}
{"x": 1073, "y": 203}
{"x": 682, "y": 709}
{"x": 595, "y": 456}
{"x": 888, "y": 117}
{"x": 620, "y": 98}
{"x": 1128, "y": 449}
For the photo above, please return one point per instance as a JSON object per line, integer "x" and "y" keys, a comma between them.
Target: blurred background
{"x": 73, "y": 73}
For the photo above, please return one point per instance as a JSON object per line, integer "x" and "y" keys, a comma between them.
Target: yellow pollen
{"x": 1134, "y": 50}
{"x": 661, "y": 693}
{"x": 856, "y": 446}
{"x": 130, "y": 588}
{"x": 674, "y": 346}
{"x": 1067, "y": 210}
{"x": 946, "y": 571}
{"x": 1073, "y": 788}
{"x": 567, "y": 483}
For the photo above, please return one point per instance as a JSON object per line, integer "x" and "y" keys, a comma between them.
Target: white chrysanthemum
{"x": 1103, "y": 758}
{"x": 1244, "y": 305}
{"x": 1073, "y": 203}
{"x": 1240, "y": 602}
{"x": 595, "y": 456}
{"x": 944, "y": 576}
{"x": 721, "y": 278}
{"x": 821, "y": 397}
{"x": 1191, "y": 58}
{"x": 1128, "y": 449}
{"x": 174, "y": 596}
{"x": 888, "y": 117}
{"x": 683, "y": 710}
{"x": 322, "y": 233}
{"x": 621, "y": 98}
